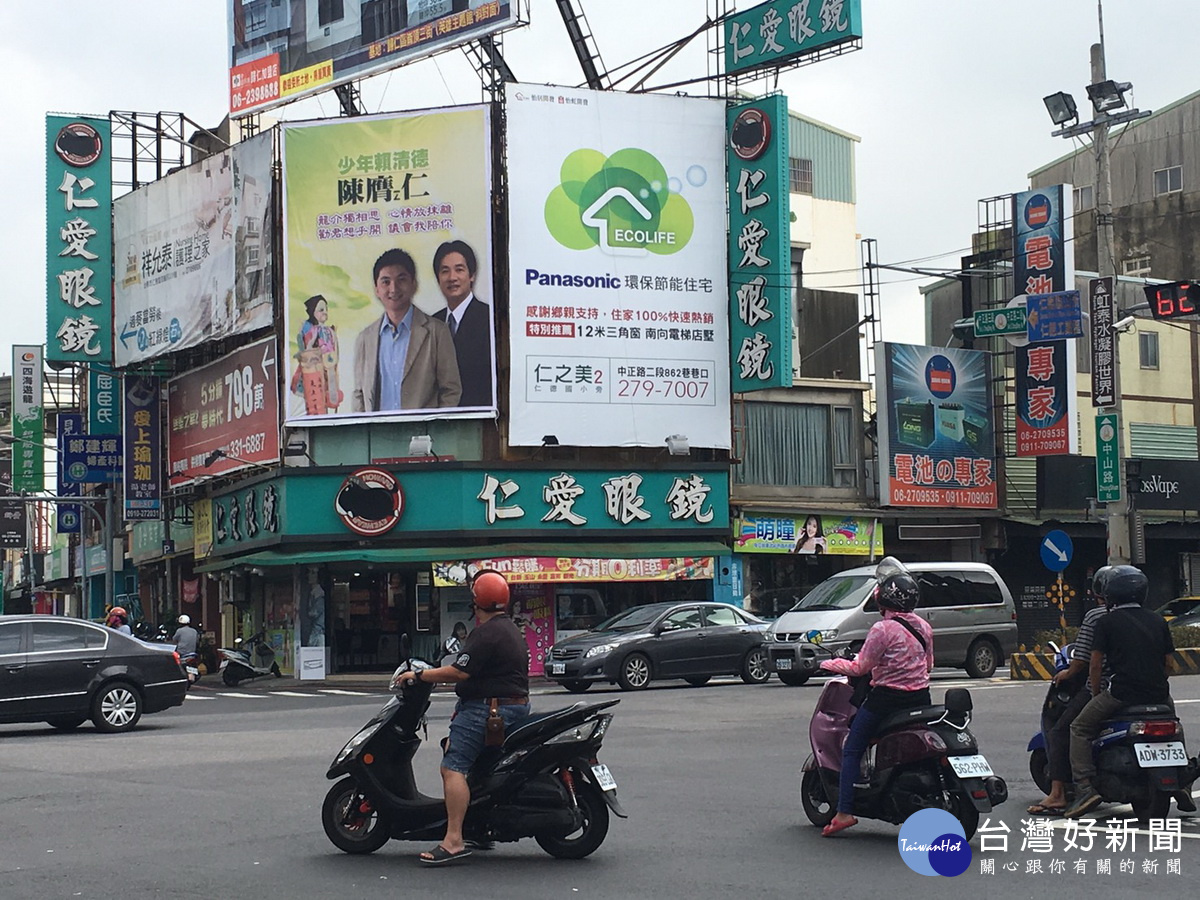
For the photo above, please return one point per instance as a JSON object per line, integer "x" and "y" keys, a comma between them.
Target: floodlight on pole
{"x": 1061, "y": 107}
{"x": 1107, "y": 94}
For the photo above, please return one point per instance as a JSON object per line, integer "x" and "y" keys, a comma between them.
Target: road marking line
{"x": 242, "y": 696}
{"x": 292, "y": 694}
{"x": 197, "y": 697}
{"x": 346, "y": 693}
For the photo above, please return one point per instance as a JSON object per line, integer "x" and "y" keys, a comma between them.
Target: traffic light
{"x": 1173, "y": 300}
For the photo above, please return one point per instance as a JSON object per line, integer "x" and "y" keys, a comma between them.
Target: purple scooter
{"x": 919, "y": 759}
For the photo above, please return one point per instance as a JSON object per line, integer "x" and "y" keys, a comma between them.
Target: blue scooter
{"x": 1140, "y": 754}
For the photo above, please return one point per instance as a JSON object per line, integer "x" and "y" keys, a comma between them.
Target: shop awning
{"x": 384, "y": 556}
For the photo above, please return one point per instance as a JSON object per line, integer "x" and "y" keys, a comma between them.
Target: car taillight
{"x": 1157, "y": 728}
{"x": 178, "y": 661}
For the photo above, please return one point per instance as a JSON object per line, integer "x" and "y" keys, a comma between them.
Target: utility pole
{"x": 1118, "y": 512}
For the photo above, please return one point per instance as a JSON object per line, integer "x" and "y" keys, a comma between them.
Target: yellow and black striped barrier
{"x": 1031, "y": 667}
{"x": 1040, "y": 666}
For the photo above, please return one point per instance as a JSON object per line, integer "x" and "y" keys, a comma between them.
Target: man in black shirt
{"x": 492, "y": 666}
{"x": 1136, "y": 644}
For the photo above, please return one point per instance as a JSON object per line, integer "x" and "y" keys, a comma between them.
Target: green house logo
{"x": 625, "y": 204}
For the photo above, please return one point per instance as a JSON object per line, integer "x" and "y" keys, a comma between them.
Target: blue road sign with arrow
{"x": 1057, "y": 550}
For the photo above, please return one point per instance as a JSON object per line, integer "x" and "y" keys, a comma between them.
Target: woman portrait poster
{"x": 811, "y": 537}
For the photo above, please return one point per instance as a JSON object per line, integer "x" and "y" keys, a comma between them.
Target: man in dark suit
{"x": 469, "y": 320}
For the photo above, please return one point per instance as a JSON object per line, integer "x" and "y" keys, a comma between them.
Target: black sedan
{"x": 690, "y": 640}
{"x": 64, "y": 671}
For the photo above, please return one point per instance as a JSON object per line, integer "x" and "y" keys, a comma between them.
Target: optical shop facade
{"x": 339, "y": 563}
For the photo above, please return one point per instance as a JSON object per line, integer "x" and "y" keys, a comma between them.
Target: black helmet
{"x": 897, "y": 589}
{"x": 1126, "y": 584}
{"x": 1100, "y": 582}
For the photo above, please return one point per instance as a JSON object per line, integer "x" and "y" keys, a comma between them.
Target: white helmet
{"x": 185, "y": 620}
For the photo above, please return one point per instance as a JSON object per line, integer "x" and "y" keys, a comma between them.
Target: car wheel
{"x": 347, "y": 825}
{"x": 983, "y": 657}
{"x": 754, "y": 666}
{"x": 698, "y": 680}
{"x": 793, "y": 679}
{"x": 116, "y": 707}
{"x": 576, "y": 687}
{"x": 635, "y": 672}
{"x": 66, "y": 723}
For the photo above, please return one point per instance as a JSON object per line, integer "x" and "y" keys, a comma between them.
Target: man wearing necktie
{"x": 405, "y": 359}
{"x": 469, "y": 319}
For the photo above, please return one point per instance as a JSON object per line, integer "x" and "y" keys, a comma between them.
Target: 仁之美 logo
{"x": 625, "y": 204}
{"x": 932, "y": 842}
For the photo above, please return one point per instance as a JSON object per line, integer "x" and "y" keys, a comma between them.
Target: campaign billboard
{"x": 280, "y": 52}
{"x": 619, "y": 316}
{"x": 194, "y": 254}
{"x": 230, "y": 405}
{"x": 936, "y": 442}
{"x": 79, "y": 259}
{"x": 388, "y": 306}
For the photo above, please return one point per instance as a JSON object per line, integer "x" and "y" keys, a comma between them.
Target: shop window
{"x": 845, "y": 465}
{"x": 1136, "y": 266}
{"x": 800, "y": 175}
{"x": 330, "y": 11}
{"x": 801, "y": 444}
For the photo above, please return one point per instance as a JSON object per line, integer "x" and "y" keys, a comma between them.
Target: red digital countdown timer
{"x": 1173, "y": 300}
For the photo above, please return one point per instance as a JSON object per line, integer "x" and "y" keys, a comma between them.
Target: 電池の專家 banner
{"x": 619, "y": 329}
{"x": 388, "y": 306}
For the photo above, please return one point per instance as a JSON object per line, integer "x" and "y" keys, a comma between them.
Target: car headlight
{"x": 820, "y": 637}
{"x": 600, "y": 650}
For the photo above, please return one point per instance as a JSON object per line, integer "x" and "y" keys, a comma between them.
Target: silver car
{"x": 968, "y": 605}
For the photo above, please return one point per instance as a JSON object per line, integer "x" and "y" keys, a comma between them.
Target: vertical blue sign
{"x": 69, "y": 515}
{"x": 143, "y": 447}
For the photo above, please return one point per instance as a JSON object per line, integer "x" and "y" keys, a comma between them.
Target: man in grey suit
{"x": 405, "y": 360}
{"x": 469, "y": 319}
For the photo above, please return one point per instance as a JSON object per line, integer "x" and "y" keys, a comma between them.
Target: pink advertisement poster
{"x": 533, "y": 613}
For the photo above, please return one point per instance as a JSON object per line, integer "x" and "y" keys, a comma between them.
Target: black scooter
{"x": 545, "y": 782}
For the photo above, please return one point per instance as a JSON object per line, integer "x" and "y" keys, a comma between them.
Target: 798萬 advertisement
{"x": 936, "y": 445}
{"x": 619, "y": 331}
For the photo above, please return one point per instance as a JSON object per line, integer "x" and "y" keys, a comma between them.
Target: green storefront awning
{"x": 397, "y": 555}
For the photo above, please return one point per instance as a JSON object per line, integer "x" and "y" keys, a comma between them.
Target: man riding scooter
{"x": 187, "y": 643}
{"x": 1136, "y": 644}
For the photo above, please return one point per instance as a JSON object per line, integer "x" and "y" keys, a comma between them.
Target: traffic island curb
{"x": 1040, "y": 666}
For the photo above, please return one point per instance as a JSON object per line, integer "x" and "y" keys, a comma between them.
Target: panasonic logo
{"x": 558, "y": 279}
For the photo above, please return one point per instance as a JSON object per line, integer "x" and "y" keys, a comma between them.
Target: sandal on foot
{"x": 834, "y": 827}
{"x": 439, "y": 855}
{"x": 1044, "y": 809}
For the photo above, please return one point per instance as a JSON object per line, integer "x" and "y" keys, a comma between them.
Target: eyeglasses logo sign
{"x": 625, "y": 204}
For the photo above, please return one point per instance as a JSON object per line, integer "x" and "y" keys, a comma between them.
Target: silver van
{"x": 969, "y": 606}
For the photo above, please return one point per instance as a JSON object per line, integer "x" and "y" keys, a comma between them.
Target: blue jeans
{"x": 467, "y": 729}
{"x": 861, "y": 730}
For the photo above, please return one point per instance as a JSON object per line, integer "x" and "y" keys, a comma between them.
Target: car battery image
{"x": 914, "y": 422}
{"x": 975, "y": 433}
{"x": 950, "y": 420}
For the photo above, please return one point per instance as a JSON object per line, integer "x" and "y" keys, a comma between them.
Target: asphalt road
{"x": 222, "y": 799}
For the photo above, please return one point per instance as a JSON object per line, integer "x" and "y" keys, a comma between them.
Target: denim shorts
{"x": 466, "y": 731}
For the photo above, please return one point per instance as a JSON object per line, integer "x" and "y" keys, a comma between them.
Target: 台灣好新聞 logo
{"x": 932, "y": 842}
{"x": 625, "y": 204}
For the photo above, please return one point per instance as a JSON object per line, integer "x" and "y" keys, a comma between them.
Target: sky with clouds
{"x": 945, "y": 94}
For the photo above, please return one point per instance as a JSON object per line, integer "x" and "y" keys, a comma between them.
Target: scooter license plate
{"x": 558, "y": 668}
{"x": 193, "y": 671}
{"x": 783, "y": 665}
{"x": 1170, "y": 753}
{"x": 604, "y": 777}
{"x": 970, "y": 766}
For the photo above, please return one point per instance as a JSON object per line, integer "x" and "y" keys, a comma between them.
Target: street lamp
{"x": 221, "y": 454}
{"x": 1106, "y": 95}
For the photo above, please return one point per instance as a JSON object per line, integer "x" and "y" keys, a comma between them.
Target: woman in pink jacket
{"x": 898, "y": 655}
